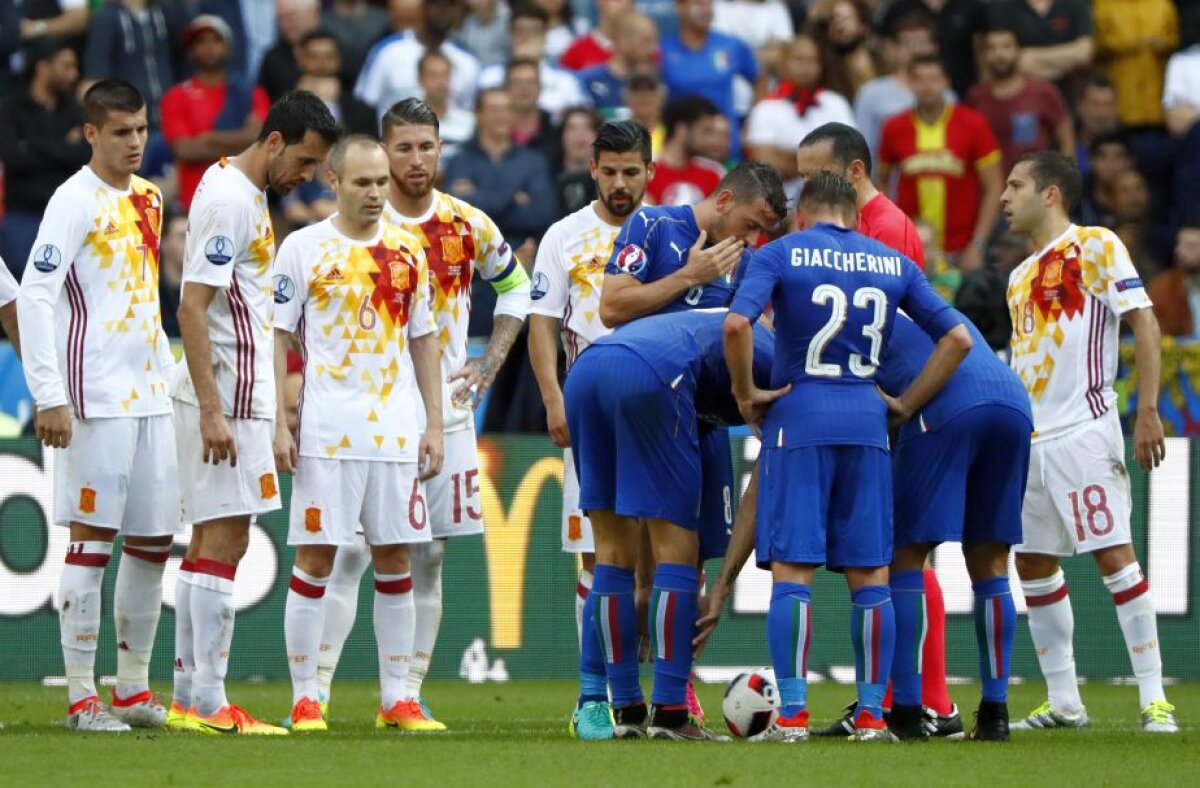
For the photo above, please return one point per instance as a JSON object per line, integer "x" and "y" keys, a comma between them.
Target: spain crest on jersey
{"x": 1052, "y": 274}
{"x": 452, "y": 249}
{"x": 398, "y": 270}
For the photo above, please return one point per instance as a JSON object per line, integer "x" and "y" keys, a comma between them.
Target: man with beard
{"x": 460, "y": 241}
{"x": 567, "y": 279}
{"x": 1026, "y": 113}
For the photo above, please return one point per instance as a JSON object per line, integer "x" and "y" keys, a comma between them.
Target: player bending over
{"x": 825, "y": 487}
{"x": 98, "y": 364}
{"x": 362, "y": 456}
{"x": 1066, "y": 302}
{"x": 228, "y": 409}
{"x": 567, "y": 279}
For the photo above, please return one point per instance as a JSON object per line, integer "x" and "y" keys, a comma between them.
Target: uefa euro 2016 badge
{"x": 631, "y": 260}
{"x": 218, "y": 250}
{"x": 285, "y": 288}
{"x": 47, "y": 258}
{"x": 539, "y": 286}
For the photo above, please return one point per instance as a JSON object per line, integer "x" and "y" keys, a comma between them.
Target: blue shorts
{"x": 824, "y": 505}
{"x": 635, "y": 441}
{"x": 718, "y": 496}
{"x": 965, "y": 481}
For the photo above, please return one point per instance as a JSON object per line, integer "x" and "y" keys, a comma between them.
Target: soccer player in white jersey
{"x": 97, "y": 362}
{"x": 1066, "y": 302}
{"x": 227, "y": 408}
{"x": 365, "y": 392}
{"x": 8, "y": 307}
{"x": 460, "y": 242}
{"x": 567, "y": 279}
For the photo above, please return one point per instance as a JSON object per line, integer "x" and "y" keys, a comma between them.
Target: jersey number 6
{"x": 864, "y": 298}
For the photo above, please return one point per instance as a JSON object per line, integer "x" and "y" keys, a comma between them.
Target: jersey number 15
{"x": 864, "y": 298}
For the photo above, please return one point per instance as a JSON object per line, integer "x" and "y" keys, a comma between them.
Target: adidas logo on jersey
{"x": 334, "y": 275}
{"x": 110, "y": 228}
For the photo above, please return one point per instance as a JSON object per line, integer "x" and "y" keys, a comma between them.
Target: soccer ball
{"x": 751, "y": 702}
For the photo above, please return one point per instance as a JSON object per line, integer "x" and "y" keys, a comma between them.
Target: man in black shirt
{"x": 1055, "y": 35}
{"x": 41, "y": 144}
{"x": 958, "y": 23}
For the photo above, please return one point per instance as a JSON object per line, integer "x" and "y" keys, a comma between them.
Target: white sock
{"x": 185, "y": 657}
{"x": 340, "y": 609}
{"x": 394, "y": 623}
{"x": 137, "y": 603}
{"x": 212, "y": 633}
{"x": 582, "y": 589}
{"x": 302, "y": 631}
{"x": 79, "y": 614}
{"x": 1052, "y": 626}
{"x": 427, "y": 596}
{"x": 1135, "y": 612}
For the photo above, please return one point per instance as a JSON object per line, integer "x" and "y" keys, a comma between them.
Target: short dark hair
{"x": 320, "y": 34}
{"x": 296, "y": 113}
{"x": 337, "y": 156}
{"x": 1003, "y": 27}
{"x": 686, "y": 111}
{"x": 926, "y": 60}
{"x": 830, "y": 190}
{"x": 522, "y": 62}
{"x": 433, "y": 54}
{"x": 917, "y": 19}
{"x": 529, "y": 10}
{"x": 110, "y": 95}
{"x": 409, "y": 112}
{"x": 848, "y": 143}
{"x": 1118, "y": 138}
{"x": 643, "y": 80}
{"x": 42, "y": 49}
{"x": 483, "y": 93}
{"x": 1097, "y": 80}
{"x": 751, "y": 180}
{"x": 623, "y": 136}
{"x": 1191, "y": 223}
{"x": 592, "y": 116}
{"x": 1051, "y": 168}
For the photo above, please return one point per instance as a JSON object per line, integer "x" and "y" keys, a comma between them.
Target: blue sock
{"x": 617, "y": 630}
{"x": 789, "y": 631}
{"x": 873, "y": 629}
{"x": 673, "y": 611}
{"x": 593, "y": 681}
{"x": 908, "y": 600}
{"x": 995, "y": 624}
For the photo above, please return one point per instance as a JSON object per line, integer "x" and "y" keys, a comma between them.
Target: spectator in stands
{"x": 252, "y": 23}
{"x": 41, "y": 144}
{"x": 60, "y": 19}
{"x": 645, "y": 96}
{"x": 765, "y": 26}
{"x": 779, "y": 122}
{"x": 357, "y": 24}
{"x": 532, "y": 126}
{"x": 559, "y": 88}
{"x": 595, "y": 47}
{"x": 1096, "y": 110}
{"x": 485, "y": 32}
{"x": 635, "y": 51}
{"x": 681, "y": 175}
{"x": 958, "y": 23}
{"x": 390, "y": 72}
{"x": 563, "y": 27}
{"x": 841, "y": 29}
{"x": 912, "y": 35}
{"x": 982, "y": 294}
{"x": 214, "y": 113}
{"x": 170, "y": 267}
{"x": 456, "y": 125}
{"x": 701, "y": 62}
{"x": 944, "y": 276}
{"x": 280, "y": 69}
{"x": 1176, "y": 291}
{"x": 10, "y": 43}
{"x": 948, "y": 163}
{"x": 1181, "y": 90}
{"x": 1025, "y": 113}
{"x": 576, "y": 186}
{"x": 716, "y": 145}
{"x": 1111, "y": 155}
{"x": 310, "y": 202}
{"x": 1056, "y": 36}
{"x": 1133, "y": 41}
{"x": 1148, "y": 243}
{"x": 137, "y": 41}
{"x": 319, "y": 57}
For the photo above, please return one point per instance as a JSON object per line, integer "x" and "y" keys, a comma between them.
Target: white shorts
{"x": 1077, "y": 499}
{"x": 120, "y": 473}
{"x": 211, "y": 492}
{"x": 332, "y": 500}
{"x": 455, "y": 506}
{"x": 576, "y": 527}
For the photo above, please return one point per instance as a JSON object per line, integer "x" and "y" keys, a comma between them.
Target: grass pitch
{"x": 515, "y": 734}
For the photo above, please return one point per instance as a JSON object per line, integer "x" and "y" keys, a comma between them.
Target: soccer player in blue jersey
{"x": 958, "y": 473}
{"x": 633, "y": 403}
{"x": 825, "y": 494}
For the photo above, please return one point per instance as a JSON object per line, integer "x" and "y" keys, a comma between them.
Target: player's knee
{"x": 858, "y": 577}
{"x": 391, "y": 559}
{"x": 986, "y": 560}
{"x": 81, "y": 532}
{"x": 1032, "y": 566}
{"x": 316, "y": 561}
{"x": 910, "y": 558}
{"x": 1111, "y": 560}
{"x": 148, "y": 541}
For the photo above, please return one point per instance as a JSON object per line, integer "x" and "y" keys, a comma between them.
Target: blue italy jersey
{"x": 654, "y": 243}
{"x": 709, "y": 72}
{"x": 835, "y": 294}
{"x": 687, "y": 352}
{"x": 981, "y": 379}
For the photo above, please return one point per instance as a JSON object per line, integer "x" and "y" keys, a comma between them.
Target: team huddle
{"x": 819, "y": 341}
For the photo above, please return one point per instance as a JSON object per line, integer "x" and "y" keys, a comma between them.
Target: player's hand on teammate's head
{"x": 285, "y": 450}
{"x": 53, "y": 427}
{"x": 430, "y": 453}
{"x": 1149, "y": 445}
{"x": 713, "y": 262}
{"x": 217, "y": 439}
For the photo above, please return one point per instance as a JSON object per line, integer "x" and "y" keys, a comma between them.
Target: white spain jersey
{"x": 1066, "y": 302}
{"x": 569, "y": 274}
{"x": 230, "y": 246}
{"x": 8, "y": 285}
{"x": 355, "y": 306}
{"x": 91, "y": 327}
{"x": 458, "y": 239}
